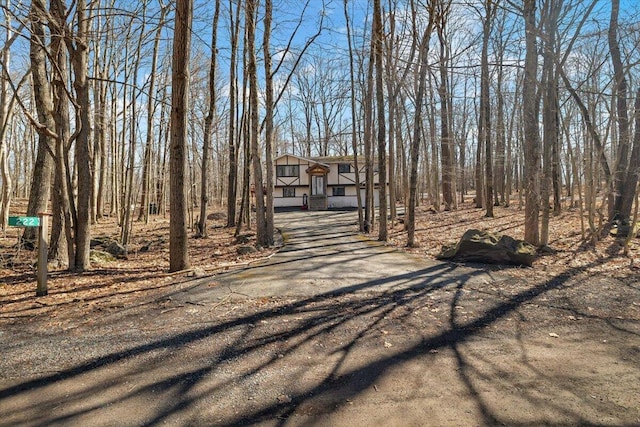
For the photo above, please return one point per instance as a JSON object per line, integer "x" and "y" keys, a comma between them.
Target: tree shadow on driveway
{"x": 436, "y": 352}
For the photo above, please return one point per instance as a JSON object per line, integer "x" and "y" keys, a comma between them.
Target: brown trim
{"x": 318, "y": 169}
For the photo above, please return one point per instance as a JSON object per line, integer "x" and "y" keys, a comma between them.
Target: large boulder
{"x": 622, "y": 229}
{"x": 117, "y": 250}
{"x": 490, "y": 248}
{"x": 246, "y": 250}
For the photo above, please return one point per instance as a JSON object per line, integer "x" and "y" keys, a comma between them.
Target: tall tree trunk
{"x": 254, "y": 124}
{"x": 232, "y": 185}
{"x": 500, "y": 172}
{"x": 499, "y": 176}
{"x": 62, "y": 239}
{"x": 127, "y": 223}
{"x": 208, "y": 124}
{"x": 479, "y": 170}
{"x": 99, "y": 87}
{"x": 550, "y": 114}
{"x": 5, "y": 117}
{"x": 446, "y": 146}
{"x": 423, "y": 65}
{"x": 268, "y": 135}
{"x": 485, "y": 107}
{"x": 6, "y": 113}
{"x": 354, "y": 119}
{"x": 622, "y": 115}
{"x": 79, "y": 60}
{"x": 380, "y": 110}
{"x": 369, "y": 213}
{"x": 114, "y": 190}
{"x": 462, "y": 143}
{"x": 531, "y": 135}
{"x": 630, "y": 185}
{"x": 432, "y": 181}
{"x": 43, "y": 168}
{"x": 178, "y": 238}
{"x": 145, "y": 187}
{"x": 245, "y": 212}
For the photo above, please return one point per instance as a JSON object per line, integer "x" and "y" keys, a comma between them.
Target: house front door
{"x": 318, "y": 199}
{"x": 317, "y": 185}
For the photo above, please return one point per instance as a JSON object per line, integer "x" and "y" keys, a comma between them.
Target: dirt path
{"x": 336, "y": 330}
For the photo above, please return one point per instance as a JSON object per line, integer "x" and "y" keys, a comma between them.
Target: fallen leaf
{"x": 284, "y": 398}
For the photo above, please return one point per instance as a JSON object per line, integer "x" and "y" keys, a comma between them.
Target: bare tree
{"x": 128, "y": 204}
{"x": 624, "y": 177}
{"x": 63, "y": 208}
{"x": 43, "y": 168}
{"x": 531, "y": 135}
{"x": 178, "y": 238}
{"x": 484, "y": 126}
{"x": 369, "y": 213}
{"x": 446, "y": 138}
{"x": 151, "y": 104}
{"x": 268, "y": 122}
{"x": 208, "y": 124}
{"x": 354, "y": 119}
{"x": 79, "y": 49}
{"x": 254, "y": 124}
{"x": 5, "y": 118}
{"x": 232, "y": 184}
{"x": 423, "y": 65}
{"x": 380, "y": 111}
{"x": 550, "y": 113}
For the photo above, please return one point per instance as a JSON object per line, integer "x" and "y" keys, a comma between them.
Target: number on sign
{"x": 24, "y": 221}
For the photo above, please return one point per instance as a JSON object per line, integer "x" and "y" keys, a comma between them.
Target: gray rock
{"x": 217, "y": 216}
{"x": 491, "y": 248}
{"x": 100, "y": 241}
{"x": 244, "y": 238}
{"x": 246, "y": 249}
{"x": 117, "y": 250}
{"x": 153, "y": 244}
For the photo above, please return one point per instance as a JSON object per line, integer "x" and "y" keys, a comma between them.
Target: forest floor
{"x": 556, "y": 344}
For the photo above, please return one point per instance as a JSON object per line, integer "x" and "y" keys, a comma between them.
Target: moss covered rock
{"x": 100, "y": 256}
{"x": 491, "y": 248}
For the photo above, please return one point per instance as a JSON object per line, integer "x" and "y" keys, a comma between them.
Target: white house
{"x": 318, "y": 183}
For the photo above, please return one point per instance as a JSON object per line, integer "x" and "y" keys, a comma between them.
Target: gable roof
{"x": 318, "y": 167}
{"x": 320, "y": 159}
{"x": 334, "y": 159}
{"x": 310, "y": 160}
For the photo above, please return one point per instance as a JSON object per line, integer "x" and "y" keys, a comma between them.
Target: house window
{"x": 344, "y": 168}
{"x": 338, "y": 191}
{"x": 287, "y": 170}
{"x": 289, "y": 192}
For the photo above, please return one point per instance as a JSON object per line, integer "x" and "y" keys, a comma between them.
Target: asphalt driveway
{"x": 334, "y": 330}
{"x": 324, "y": 254}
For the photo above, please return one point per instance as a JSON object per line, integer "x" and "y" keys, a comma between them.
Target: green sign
{"x": 24, "y": 221}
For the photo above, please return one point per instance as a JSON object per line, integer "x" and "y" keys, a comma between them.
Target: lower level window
{"x": 288, "y": 192}
{"x": 338, "y": 191}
